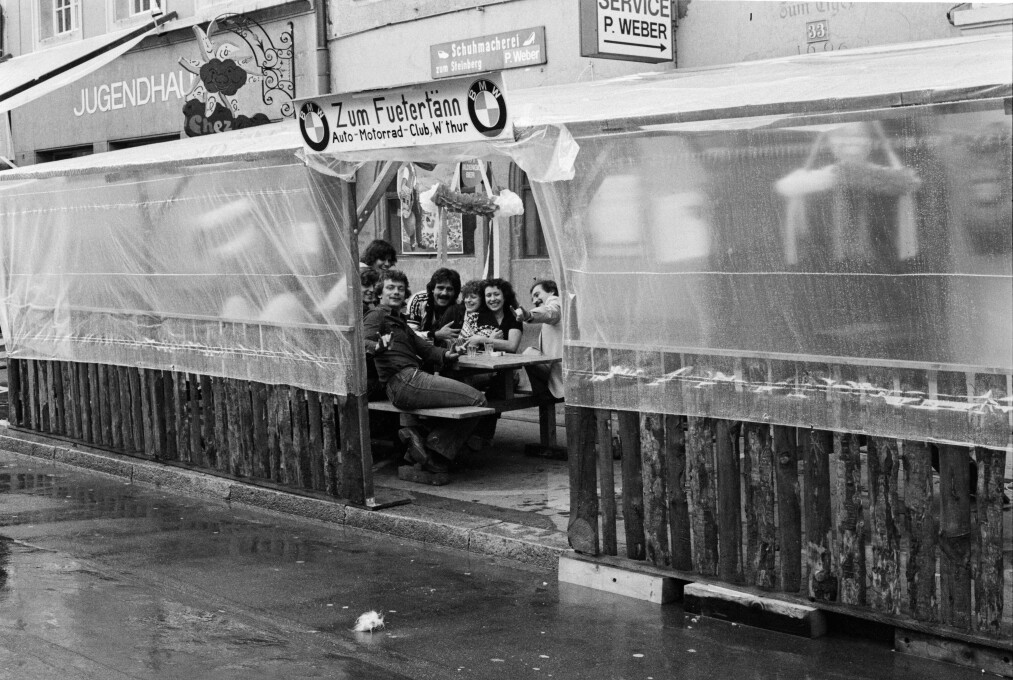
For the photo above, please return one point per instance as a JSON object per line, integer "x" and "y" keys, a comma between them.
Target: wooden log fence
{"x": 857, "y": 525}
{"x": 278, "y": 434}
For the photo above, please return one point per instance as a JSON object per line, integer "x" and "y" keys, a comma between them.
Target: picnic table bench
{"x": 502, "y": 366}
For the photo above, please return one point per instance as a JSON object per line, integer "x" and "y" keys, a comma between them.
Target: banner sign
{"x": 631, "y": 30}
{"x": 459, "y": 110}
{"x": 510, "y": 49}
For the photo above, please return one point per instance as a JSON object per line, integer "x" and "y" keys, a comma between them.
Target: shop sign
{"x": 510, "y": 49}
{"x": 459, "y": 110}
{"x": 631, "y": 30}
{"x": 239, "y": 64}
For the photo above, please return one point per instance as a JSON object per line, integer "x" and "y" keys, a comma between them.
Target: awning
{"x": 35, "y": 75}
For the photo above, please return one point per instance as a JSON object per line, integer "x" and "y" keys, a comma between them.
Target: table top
{"x": 503, "y": 362}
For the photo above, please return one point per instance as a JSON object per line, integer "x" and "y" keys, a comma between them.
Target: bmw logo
{"x": 313, "y": 126}
{"x": 486, "y": 107}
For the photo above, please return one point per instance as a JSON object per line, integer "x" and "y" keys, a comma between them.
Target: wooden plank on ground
{"x": 678, "y": 503}
{"x": 582, "y": 529}
{"x": 761, "y": 532}
{"x": 655, "y": 475}
{"x": 633, "y": 485}
{"x": 606, "y": 578}
{"x": 987, "y": 659}
{"x": 702, "y": 494}
{"x": 607, "y": 486}
{"x": 729, "y": 496}
{"x": 955, "y": 537}
{"x": 922, "y": 530}
{"x": 821, "y": 583}
{"x": 988, "y": 576}
{"x": 789, "y": 512}
{"x": 314, "y": 449}
{"x": 885, "y": 593}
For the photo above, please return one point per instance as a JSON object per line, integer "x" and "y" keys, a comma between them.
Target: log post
{"x": 883, "y": 524}
{"x": 851, "y": 524}
{"x": 209, "y": 452}
{"x": 14, "y": 392}
{"x": 955, "y": 537}
{"x": 330, "y": 444}
{"x": 702, "y": 494}
{"x": 655, "y": 473}
{"x": 137, "y": 404}
{"x": 922, "y": 529}
{"x": 582, "y": 530}
{"x": 761, "y": 531}
{"x": 607, "y": 486}
{"x": 356, "y": 456}
{"x": 678, "y": 505}
{"x": 789, "y": 525}
{"x": 821, "y": 582}
{"x": 633, "y": 485}
{"x": 988, "y": 581}
{"x": 729, "y": 500}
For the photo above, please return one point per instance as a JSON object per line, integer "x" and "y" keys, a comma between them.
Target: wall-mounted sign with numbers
{"x": 817, "y": 31}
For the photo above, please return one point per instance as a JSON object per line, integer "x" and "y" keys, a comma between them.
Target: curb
{"x": 495, "y": 538}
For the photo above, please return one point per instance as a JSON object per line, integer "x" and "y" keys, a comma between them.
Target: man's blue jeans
{"x": 413, "y": 388}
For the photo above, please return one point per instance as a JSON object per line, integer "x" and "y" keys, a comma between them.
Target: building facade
{"x": 217, "y": 66}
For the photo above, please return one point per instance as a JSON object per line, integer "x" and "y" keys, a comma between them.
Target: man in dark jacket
{"x": 399, "y": 355}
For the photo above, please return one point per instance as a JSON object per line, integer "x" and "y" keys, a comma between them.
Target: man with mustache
{"x": 399, "y": 355}
{"x": 426, "y": 309}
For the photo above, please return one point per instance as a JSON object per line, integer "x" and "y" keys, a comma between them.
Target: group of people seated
{"x": 410, "y": 340}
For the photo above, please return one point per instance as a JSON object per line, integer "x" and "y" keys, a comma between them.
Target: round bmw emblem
{"x": 313, "y": 126}
{"x": 486, "y": 107}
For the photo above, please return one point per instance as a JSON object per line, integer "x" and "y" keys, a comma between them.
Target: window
{"x": 51, "y": 155}
{"x": 58, "y": 18}
{"x": 531, "y": 239}
{"x": 64, "y": 16}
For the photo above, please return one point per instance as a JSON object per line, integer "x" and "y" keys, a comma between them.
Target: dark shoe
{"x": 417, "y": 450}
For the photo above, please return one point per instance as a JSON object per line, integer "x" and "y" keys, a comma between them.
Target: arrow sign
{"x": 633, "y": 30}
{"x": 661, "y": 46}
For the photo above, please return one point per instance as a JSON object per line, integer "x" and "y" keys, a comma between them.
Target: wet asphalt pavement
{"x": 107, "y": 580}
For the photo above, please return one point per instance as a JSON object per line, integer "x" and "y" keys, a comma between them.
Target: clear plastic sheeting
{"x": 235, "y": 268}
{"x": 840, "y": 271}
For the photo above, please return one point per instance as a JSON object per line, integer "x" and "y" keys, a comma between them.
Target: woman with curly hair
{"x": 497, "y": 324}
